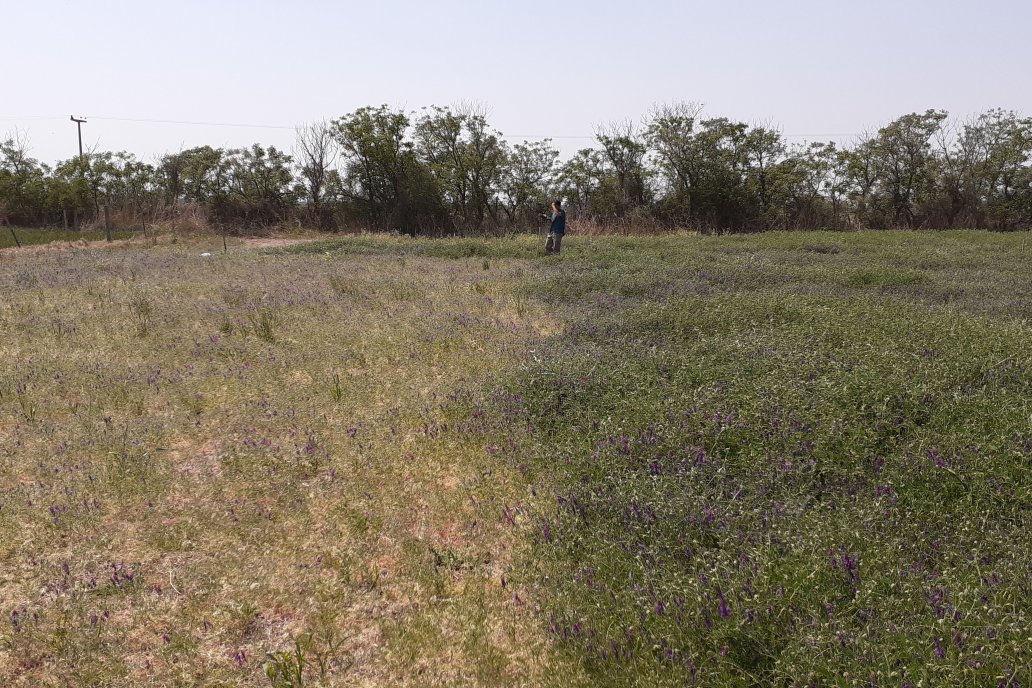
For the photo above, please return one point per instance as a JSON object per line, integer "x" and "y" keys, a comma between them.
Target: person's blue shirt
{"x": 558, "y": 223}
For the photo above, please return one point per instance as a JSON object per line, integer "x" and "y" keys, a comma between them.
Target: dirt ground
{"x": 272, "y": 242}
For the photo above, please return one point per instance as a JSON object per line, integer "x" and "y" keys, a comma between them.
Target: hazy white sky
{"x": 819, "y": 69}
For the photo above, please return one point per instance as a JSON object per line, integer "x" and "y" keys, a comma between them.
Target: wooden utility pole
{"x": 78, "y": 124}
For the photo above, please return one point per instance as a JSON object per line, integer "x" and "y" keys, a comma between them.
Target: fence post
{"x": 107, "y": 223}
{"x": 14, "y": 236}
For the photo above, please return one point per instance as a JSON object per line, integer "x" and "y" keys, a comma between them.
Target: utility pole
{"x": 78, "y": 124}
{"x": 82, "y": 173}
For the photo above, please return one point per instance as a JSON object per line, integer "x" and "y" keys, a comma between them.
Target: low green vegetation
{"x": 517, "y": 246}
{"x": 785, "y": 459}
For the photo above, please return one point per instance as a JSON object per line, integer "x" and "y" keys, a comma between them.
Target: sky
{"x": 817, "y": 70}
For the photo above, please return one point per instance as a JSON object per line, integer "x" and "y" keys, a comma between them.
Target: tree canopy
{"x": 447, "y": 170}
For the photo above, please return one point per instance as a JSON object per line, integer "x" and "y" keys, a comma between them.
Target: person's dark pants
{"x": 553, "y": 243}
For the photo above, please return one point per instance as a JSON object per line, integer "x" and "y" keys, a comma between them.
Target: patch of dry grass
{"x": 207, "y": 460}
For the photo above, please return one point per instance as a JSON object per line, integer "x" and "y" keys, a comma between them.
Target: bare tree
{"x": 316, "y": 152}
{"x": 14, "y": 153}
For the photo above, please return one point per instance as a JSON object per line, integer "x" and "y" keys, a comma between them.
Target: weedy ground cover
{"x": 515, "y": 246}
{"x": 784, "y": 459}
{"x": 237, "y": 470}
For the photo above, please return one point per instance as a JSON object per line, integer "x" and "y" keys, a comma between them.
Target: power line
{"x": 534, "y": 136}
{"x": 280, "y": 126}
{"x": 243, "y": 125}
{"x": 530, "y": 136}
{"x": 202, "y": 124}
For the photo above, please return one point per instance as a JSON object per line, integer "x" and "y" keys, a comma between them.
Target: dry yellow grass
{"x": 206, "y": 459}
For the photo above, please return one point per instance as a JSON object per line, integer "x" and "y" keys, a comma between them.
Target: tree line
{"x": 444, "y": 170}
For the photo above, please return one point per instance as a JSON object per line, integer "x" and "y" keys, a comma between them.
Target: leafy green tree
{"x": 903, "y": 162}
{"x": 383, "y": 179}
{"x": 168, "y": 176}
{"x": 69, "y": 188}
{"x": 581, "y": 180}
{"x": 670, "y": 133}
{"x": 722, "y": 199}
{"x": 984, "y": 174}
{"x": 770, "y": 176}
{"x": 623, "y": 148}
{"x": 376, "y": 154}
{"x": 260, "y": 185}
{"x": 527, "y": 178}
{"x": 862, "y": 178}
{"x": 467, "y": 158}
{"x": 819, "y": 188}
{"x": 23, "y": 183}
{"x": 132, "y": 183}
{"x": 203, "y": 175}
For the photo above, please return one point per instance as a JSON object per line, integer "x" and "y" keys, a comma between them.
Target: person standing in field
{"x": 557, "y": 230}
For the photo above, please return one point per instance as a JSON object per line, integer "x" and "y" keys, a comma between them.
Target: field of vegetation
{"x": 787, "y": 459}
